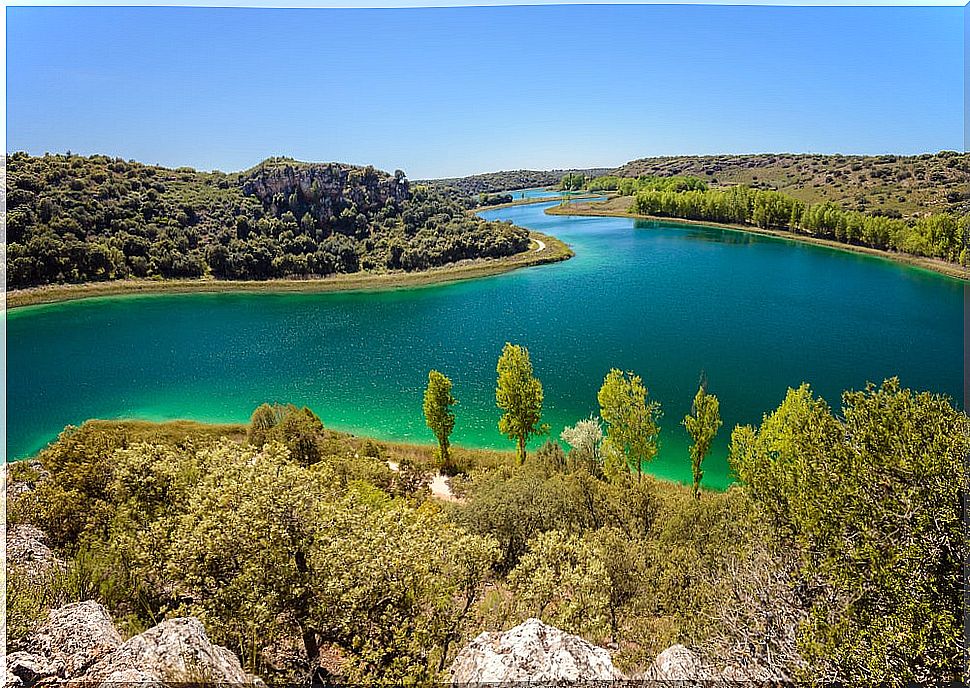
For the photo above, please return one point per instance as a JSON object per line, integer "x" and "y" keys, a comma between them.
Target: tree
{"x": 872, "y": 505}
{"x": 519, "y": 395}
{"x": 631, "y": 423}
{"x": 562, "y": 579}
{"x": 264, "y": 419}
{"x": 300, "y": 431}
{"x": 438, "y": 414}
{"x": 584, "y": 438}
{"x": 702, "y": 424}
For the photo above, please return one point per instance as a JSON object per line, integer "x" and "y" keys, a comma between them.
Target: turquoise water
{"x": 522, "y": 194}
{"x": 756, "y": 314}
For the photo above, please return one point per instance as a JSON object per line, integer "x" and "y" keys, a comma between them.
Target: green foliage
{"x": 873, "y": 505}
{"x": 702, "y": 423}
{"x": 438, "y": 414}
{"x": 562, "y": 579}
{"x": 264, "y": 548}
{"x": 518, "y": 394}
{"x": 942, "y": 236}
{"x": 628, "y": 186}
{"x": 837, "y": 558}
{"x": 572, "y": 181}
{"x": 636, "y": 561}
{"x": 508, "y": 180}
{"x": 76, "y": 501}
{"x": 486, "y": 199}
{"x": 736, "y": 204}
{"x": 891, "y": 185}
{"x": 263, "y": 419}
{"x": 298, "y": 429}
{"x": 83, "y": 219}
{"x": 631, "y": 423}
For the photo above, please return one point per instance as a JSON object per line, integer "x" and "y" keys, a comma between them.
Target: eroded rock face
{"x": 677, "y": 663}
{"x": 77, "y": 635}
{"x": 324, "y": 188}
{"x": 23, "y": 477}
{"x": 78, "y": 644}
{"x": 532, "y": 652}
{"x": 27, "y": 548}
{"x": 26, "y": 669}
{"x": 176, "y": 650}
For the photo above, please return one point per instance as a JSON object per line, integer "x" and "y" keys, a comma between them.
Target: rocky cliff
{"x": 323, "y": 189}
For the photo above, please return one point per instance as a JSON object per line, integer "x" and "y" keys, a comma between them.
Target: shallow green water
{"x": 755, "y": 314}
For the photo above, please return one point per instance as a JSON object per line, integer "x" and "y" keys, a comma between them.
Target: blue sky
{"x": 451, "y": 91}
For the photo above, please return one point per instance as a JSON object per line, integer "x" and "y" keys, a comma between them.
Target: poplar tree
{"x": 518, "y": 394}
{"x": 438, "y": 414}
{"x": 702, "y": 424}
{"x": 632, "y": 433}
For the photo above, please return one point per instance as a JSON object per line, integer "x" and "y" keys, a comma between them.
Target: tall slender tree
{"x": 438, "y": 414}
{"x": 702, "y": 424}
{"x": 518, "y": 394}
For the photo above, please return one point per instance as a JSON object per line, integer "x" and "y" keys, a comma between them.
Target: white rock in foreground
{"x": 174, "y": 650}
{"x": 532, "y": 652}
{"x": 677, "y": 663}
{"x": 76, "y": 635}
{"x": 79, "y": 643}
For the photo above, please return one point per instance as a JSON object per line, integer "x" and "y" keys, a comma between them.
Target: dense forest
{"x": 894, "y": 185}
{"x": 836, "y": 558}
{"x": 77, "y": 219}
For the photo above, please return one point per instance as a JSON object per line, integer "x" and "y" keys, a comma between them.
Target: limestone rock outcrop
{"x": 677, "y": 663}
{"x": 532, "y": 652}
{"x": 176, "y": 650}
{"x": 27, "y": 549}
{"x": 76, "y": 635}
{"x": 78, "y": 644}
{"x": 325, "y": 188}
{"x": 23, "y": 477}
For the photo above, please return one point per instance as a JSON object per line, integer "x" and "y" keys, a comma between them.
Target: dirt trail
{"x": 439, "y": 484}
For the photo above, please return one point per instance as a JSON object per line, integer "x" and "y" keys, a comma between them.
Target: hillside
{"x": 510, "y": 180}
{"x": 75, "y": 219}
{"x": 324, "y": 559}
{"x": 893, "y": 185}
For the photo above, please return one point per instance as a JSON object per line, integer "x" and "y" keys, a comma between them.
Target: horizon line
{"x": 574, "y": 168}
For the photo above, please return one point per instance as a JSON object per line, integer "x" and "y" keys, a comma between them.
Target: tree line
{"x": 632, "y": 433}
{"x": 78, "y": 219}
{"x": 944, "y": 235}
{"x": 628, "y": 186}
{"x": 941, "y": 235}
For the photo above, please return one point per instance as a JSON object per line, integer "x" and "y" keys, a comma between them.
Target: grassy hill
{"x": 886, "y": 184}
{"x": 75, "y": 219}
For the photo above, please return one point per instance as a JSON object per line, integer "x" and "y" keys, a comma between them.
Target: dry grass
{"x": 910, "y": 185}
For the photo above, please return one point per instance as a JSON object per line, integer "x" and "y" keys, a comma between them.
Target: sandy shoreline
{"x": 554, "y": 250}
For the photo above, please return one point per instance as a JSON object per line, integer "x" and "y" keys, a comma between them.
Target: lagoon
{"x": 755, "y": 314}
